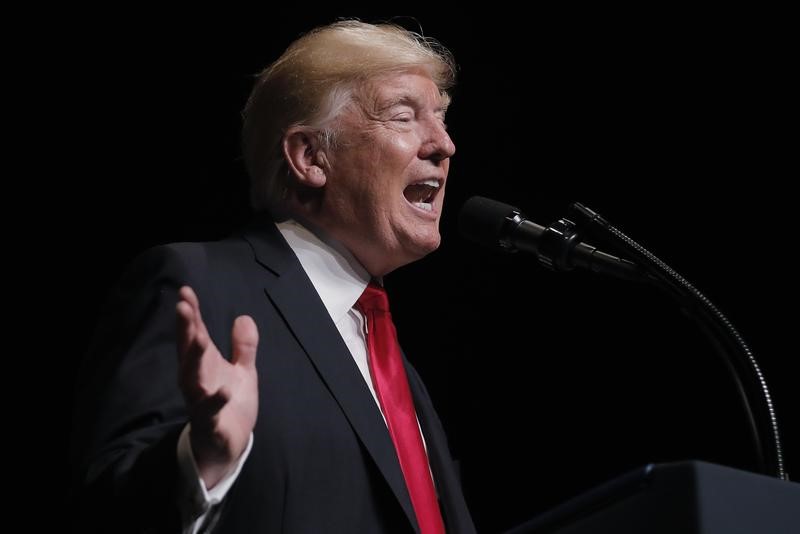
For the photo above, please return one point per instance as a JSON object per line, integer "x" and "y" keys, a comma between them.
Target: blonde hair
{"x": 313, "y": 81}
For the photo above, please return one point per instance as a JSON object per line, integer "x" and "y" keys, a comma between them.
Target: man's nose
{"x": 438, "y": 145}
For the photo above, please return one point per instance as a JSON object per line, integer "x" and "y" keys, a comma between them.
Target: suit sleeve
{"x": 129, "y": 409}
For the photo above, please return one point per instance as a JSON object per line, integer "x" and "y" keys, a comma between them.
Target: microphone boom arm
{"x": 728, "y": 342}
{"x": 559, "y": 247}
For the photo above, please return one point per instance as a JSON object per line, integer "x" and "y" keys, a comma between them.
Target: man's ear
{"x": 301, "y": 148}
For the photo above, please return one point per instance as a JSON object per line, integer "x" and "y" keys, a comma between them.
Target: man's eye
{"x": 402, "y": 117}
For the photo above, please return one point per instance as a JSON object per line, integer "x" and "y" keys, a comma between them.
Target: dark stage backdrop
{"x": 674, "y": 126}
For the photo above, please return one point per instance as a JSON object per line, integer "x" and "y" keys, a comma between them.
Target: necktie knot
{"x": 374, "y": 298}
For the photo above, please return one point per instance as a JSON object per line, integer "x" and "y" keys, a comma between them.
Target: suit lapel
{"x": 293, "y": 295}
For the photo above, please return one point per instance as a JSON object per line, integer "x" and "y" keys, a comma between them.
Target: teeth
{"x": 424, "y": 206}
{"x": 432, "y": 183}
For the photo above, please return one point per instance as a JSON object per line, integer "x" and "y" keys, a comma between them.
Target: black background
{"x": 677, "y": 126}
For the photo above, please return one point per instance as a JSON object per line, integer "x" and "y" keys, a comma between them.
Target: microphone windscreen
{"x": 482, "y": 220}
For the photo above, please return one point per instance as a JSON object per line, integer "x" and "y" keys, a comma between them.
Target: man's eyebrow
{"x": 397, "y": 100}
{"x": 409, "y": 100}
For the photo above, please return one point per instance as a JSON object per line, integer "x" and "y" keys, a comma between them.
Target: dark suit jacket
{"x": 322, "y": 459}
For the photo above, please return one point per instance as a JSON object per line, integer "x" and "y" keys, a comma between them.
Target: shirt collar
{"x": 334, "y": 272}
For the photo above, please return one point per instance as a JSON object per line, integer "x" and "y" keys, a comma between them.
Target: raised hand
{"x": 221, "y": 395}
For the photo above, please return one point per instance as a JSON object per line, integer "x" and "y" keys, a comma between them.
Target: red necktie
{"x": 391, "y": 387}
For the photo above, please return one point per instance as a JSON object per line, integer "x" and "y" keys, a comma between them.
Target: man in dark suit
{"x": 284, "y": 422}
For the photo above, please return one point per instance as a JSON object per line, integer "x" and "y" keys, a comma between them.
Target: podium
{"x": 678, "y": 498}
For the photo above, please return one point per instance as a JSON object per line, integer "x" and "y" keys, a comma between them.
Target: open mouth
{"x": 422, "y": 194}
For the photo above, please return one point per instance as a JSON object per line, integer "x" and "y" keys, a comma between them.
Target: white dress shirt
{"x": 339, "y": 280}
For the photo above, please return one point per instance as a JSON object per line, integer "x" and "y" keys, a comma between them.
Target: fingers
{"x": 186, "y": 329}
{"x": 244, "y": 341}
{"x": 192, "y": 335}
{"x": 193, "y": 342}
{"x": 187, "y": 294}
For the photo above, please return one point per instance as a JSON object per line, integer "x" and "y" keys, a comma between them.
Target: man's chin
{"x": 407, "y": 248}
{"x": 423, "y": 246}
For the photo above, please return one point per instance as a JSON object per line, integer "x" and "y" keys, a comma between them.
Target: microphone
{"x": 557, "y": 247}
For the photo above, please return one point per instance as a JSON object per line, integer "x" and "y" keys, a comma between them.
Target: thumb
{"x": 244, "y": 337}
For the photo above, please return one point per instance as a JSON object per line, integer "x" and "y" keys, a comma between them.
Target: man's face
{"x": 386, "y": 178}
